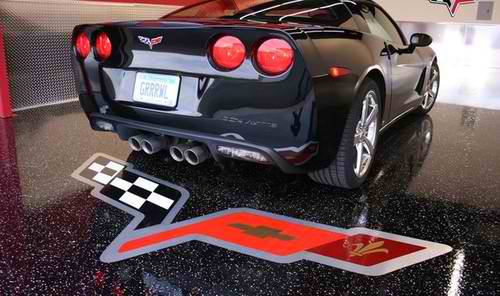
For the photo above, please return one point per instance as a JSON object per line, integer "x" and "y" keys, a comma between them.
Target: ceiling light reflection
{"x": 457, "y": 274}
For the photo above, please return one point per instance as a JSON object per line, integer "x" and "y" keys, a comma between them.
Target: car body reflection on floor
{"x": 426, "y": 183}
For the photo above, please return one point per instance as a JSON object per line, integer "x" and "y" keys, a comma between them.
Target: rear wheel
{"x": 357, "y": 149}
{"x": 431, "y": 91}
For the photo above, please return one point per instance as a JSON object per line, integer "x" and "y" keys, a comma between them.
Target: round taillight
{"x": 228, "y": 52}
{"x": 103, "y": 46}
{"x": 274, "y": 56}
{"x": 82, "y": 45}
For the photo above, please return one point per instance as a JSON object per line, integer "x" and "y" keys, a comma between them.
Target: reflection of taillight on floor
{"x": 99, "y": 278}
{"x": 117, "y": 291}
{"x": 299, "y": 156}
{"x": 243, "y": 154}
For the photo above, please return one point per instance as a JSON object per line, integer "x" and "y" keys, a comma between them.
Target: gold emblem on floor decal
{"x": 374, "y": 247}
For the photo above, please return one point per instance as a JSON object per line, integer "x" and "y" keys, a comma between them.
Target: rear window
{"x": 321, "y": 12}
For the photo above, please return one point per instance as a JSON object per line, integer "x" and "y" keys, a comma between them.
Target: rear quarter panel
{"x": 359, "y": 52}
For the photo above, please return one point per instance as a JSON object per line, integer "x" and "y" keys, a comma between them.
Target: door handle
{"x": 392, "y": 49}
{"x": 389, "y": 50}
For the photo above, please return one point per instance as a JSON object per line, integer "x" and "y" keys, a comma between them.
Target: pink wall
{"x": 5, "y": 106}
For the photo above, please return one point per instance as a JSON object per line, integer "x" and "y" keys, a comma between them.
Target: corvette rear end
{"x": 307, "y": 86}
{"x": 201, "y": 89}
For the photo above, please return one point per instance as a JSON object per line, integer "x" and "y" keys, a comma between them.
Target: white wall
{"x": 424, "y": 11}
{"x": 468, "y": 50}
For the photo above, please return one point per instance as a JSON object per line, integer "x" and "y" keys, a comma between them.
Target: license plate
{"x": 156, "y": 89}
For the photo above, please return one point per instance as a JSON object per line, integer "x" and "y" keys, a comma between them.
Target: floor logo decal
{"x": 256, "y": 233}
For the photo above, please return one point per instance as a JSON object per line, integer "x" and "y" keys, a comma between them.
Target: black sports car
{"x": 306, "y": 85}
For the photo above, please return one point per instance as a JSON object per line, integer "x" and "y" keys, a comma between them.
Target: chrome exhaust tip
{"x": 197, "y": 155}
{"x": 177, "y": 151}
{"x": 135, "y": 142}
{"x": 153, "y": 143}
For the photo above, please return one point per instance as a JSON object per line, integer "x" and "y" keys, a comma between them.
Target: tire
{"x": 431, "y": 91}
{"x": 342, "y": 172}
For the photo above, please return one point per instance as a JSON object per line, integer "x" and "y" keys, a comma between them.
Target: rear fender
{"x": 334, "y": 97}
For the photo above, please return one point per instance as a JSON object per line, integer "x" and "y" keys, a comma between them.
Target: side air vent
{"x": 420, "y": 84}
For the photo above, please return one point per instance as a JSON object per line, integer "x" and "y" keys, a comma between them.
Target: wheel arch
{"x": 375, "y": 73}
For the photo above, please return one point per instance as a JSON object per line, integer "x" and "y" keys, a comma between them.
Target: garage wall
{"x": 38, "y": 47}
{"x": 468, "y": 50}
{"x": 37, "y": 34}
{"x": 424, "y": 11}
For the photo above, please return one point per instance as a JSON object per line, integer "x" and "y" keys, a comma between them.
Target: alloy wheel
{"x": 432, "y": 90}
{"x": 425, "y": 135}
{"x": 366, "y": 134}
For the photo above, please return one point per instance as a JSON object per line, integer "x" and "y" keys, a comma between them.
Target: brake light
{"x": 274, "y": 56}
{"x": 228, "y": 53}
{"x": 82, "y": 45}
{"x": 103, "y": 46}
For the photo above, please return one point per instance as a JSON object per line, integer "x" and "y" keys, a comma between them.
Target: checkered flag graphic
{"x": 102, "y": 170}
{"x": 136, "y": 190}
{"x": 151, "y": 198}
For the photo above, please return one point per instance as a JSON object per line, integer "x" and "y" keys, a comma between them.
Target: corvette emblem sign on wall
{"x": 452, "y": 4}
{"x": 155, "y": 203}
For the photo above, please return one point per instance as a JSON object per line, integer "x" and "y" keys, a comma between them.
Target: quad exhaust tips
{"x": 194, "y": 154}
{"x": 149, "y": 143}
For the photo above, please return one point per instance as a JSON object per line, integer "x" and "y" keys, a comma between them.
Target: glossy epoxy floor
{"x": 436, "y": 178}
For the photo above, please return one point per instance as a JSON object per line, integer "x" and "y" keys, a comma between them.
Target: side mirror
{"x": 420, "y": 40}
{"x": 417, "y": 40}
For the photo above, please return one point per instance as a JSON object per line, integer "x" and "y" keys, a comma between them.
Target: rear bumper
{"x": 212, "y": 141}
